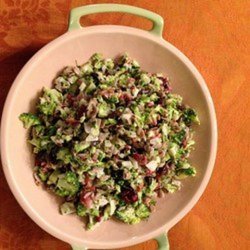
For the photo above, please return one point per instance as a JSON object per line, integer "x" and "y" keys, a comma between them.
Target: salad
{"x": 110, "y": 138}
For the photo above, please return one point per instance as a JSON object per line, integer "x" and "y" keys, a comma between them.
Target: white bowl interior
{"x": 154, "y": 55}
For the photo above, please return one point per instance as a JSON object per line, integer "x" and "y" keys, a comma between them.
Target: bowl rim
{"x": 5, "y": 116}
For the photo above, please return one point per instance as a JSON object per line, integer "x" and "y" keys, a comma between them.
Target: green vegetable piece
{"x": 113, "y": 99}
{"x": 190, "y": 116}
{"x": 94, "y": 212}
{"x": 142, "y": 211}
{"x": 43, "y": 176}
{"x": 64, "y": 155}
{"x": 47, "y": 108}
{"x": 49, "y": 101}
{"x": 38, "y": 130}
{"x": 179, "y": 137}
{"x": 53, "y": 177}
{"x": 67, "y": 208}
{"x": 79, "y": 147}
{"x": 40, "y": 144}
{"x": 127, "y": 214}
{"x": 171, "y": 188}
{"x": 67, "y": 184}
{"x": 145, "y": 79}
{"x": 103, "y": 110}
{"x": 91, "y": 223}
{"x": 110, "y": 121}
{"x": 52, "y": 95}
{"x": 90, "y": 88}
{"x": 183, "y": 173}
{"x": 29, "y": 120}
{"x": 81, "y": 210}
{"x": 173, "y": 150}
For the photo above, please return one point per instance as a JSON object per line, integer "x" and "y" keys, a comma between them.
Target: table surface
{"x": 215, "y": 36}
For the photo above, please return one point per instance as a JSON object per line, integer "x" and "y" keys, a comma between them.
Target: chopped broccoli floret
{"x": 40, "y": 144}
{"x": 42, "y": 175}
{"x": 49, "y": 101}
{"x": 90, "y": 88}
{"x": 104, "y": 110}
{"x": 190, "y": 116}
{"x": 79, "y": 147}
{"x": 64, "y": 155}
{"x": 68, "y": 184}
{"x": 142, "y": 211}
{"x": 173, "y": 150}
{"x": 183, "y": 173}
{"x": 81, "y": 210}
{"x": 29, "y": 120}
{"x": 127, "y": 214}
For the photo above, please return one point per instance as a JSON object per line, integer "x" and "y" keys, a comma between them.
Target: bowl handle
{"x": 77, "y": 13}
{"x": 162, "y": 241}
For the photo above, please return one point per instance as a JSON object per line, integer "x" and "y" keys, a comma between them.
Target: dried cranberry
{"x": 129, "y": 195}
{"x": 148, "y": 179}
{"x": 98, "y": 218}
{"x": 141, "y": 159}
{"x": 80, "y": 111}
{"x": 163, "y": 170}
{"x": 37, "y": 162}
{"x": 165, "y": 83}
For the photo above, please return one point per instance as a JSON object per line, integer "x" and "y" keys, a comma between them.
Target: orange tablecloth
{"x": 215, "y": 36}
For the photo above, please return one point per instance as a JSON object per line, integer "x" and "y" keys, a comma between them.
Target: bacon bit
{"x": 146, "y": 201}
{"x": 72, "y": 121}
{"x": 141, "y": 133}
{"x": 45, "y": 166}
{"x": 140, "y": 187}
{"x": 160, "y": 193}
{"x": 107, "y": 93}
{"x": 88, "y": 181}
{"x": 184, "y": 143}
{"x": 157, "y": 135}
{"x": 87, "y": 193}
{"x": 95, "y": 157}
{"x": 141, "y": 159}
{"x": 83, "y": 156}
{"x": 154, "y": 122}
{"x": 86, "y": 199}
{"x": 131, "y": 81}
{"x": 127, "y": 147}
{"x": 70, "y": 99}
{"x": 126, "y": 97}
{"x": 161, "y": 153}
{"x": 149, "y": 172}
{"x": 151, "y": 104}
